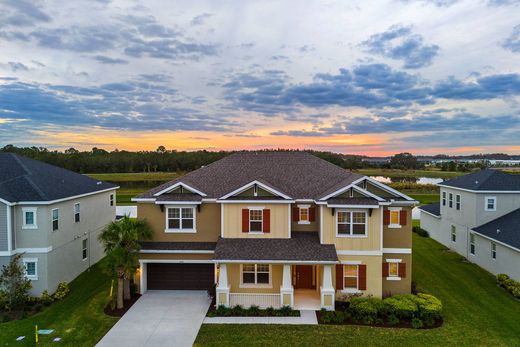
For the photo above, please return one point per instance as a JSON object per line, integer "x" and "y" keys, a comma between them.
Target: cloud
{"x": 438, "y": 3}
{"x": 107, "y": 60}
{"x": 483, "y": 88}
{"x": 15, "y": 66}
{"x": 399, "y": 43}
{"x": 299, "y": 133}
{"x": 200, "y": 19}
{"x": 21, "y": 13}
{"x": 512, "y": 43}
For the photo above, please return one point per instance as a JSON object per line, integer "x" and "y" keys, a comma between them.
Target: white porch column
{"x": 327, "y": 292}
{"x": 286, "y": 289}
{"x": 222, "y": 290}
{"x": 142, "y": 278}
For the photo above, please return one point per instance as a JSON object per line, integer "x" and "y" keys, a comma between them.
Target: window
{"x": 111, "y": 199}
{"x": 55, "y": 219}
{"x": 493, "y": 250}
{"x": 304, "y": 214}
{"x": 180, "y": 219}
{"x": 457, "y": 201}
{"x": 472, "y": 244}
{"x": 255, "y": 221}
{"x": 31, "y": 268}
{"x": 451, "y": 200}
{"x": 29, "y": 218}
{"x": 395, "y": 221}
{"x": 76, "y": 213}
{"x": 491, "y": 203}
{"x": 351, "y": 223}
{"x": 453, "y": 234}
{"x": 84, "y": 249}
{"x": 350, "y": 276}
{"x": 393, "y": 269}
{"x": 443, "y": 198}
{"x": 256, "y": 275}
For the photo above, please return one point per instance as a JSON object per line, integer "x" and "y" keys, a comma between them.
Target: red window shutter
{"x": 339, "y": 277}
{"x": 362, "y": 273}
{"x": 402, "y": 270}
{"x": 385, "y": 270}
{"x": 295, "y": 214}
{"x": 386, "y": 217}
{"x": 402, "y": 217}
{"x": 267, "y": 220}
{"x": 245, "y": 220}
{"x": 312, "y": 214}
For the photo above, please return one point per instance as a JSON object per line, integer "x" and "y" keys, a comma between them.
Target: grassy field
{"x": 410, "y": 173}
{"x": 78, "y": 319}
{"x": 136, "y": 176}
{"x": 476, "y": 311}
{"x": 425, "y": 199}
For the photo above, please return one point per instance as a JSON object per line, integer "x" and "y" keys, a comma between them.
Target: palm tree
{"x": 121, "y": 243}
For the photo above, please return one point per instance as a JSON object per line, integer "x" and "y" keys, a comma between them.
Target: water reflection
{"x": 419, "y": 180}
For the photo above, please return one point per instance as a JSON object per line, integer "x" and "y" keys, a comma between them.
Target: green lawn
{"x": 410, "y": 173}
{"x": 425, "y": 199}
{"x": 136, "y": 176}
{"x": 476, "y": 311}
{"x": 78, "y": 319}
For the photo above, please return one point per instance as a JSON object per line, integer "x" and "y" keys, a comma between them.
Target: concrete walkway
{"x": 160, "y": 318}
{"x": 307, "y": 317}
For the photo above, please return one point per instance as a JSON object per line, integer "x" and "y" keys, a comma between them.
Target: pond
{"x": 418, "y": 180}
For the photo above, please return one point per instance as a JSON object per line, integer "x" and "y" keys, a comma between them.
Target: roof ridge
{"x": 29, "y": 180}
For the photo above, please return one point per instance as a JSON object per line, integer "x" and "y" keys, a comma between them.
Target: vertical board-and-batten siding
{"x": 4, "y": 239}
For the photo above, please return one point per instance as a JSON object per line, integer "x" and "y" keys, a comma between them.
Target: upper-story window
{"x": 493, "y": 250}
{"x": 395, "y": 221}
{"x": 256, "y": 220}
{"x": 457, "y": 201}
{"x": 443, "y": 198}
{"x": 76, "y": 213}
{"x": 491, "y": 203}
{"x": 453, "y": 233}
{"x": 450, "y": 201}
{"x": 351, "y": 223}
{"x": 84, "y": 249}
{"x": 111, "y": 199}
{"x": 303, "y": 214}
{"x": 180, "y": 219}
{"x": 29, "y": 218}
{"x": 55, "y": 219}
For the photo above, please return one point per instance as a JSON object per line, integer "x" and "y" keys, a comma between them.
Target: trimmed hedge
{"x": 253, "y": 311}
{"x": 509, "y": 284}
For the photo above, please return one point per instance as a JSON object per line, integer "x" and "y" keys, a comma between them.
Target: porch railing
{"x": 247, "y": 299}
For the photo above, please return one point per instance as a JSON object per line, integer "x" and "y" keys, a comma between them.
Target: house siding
{"x": 312, "y": 226}
{"x": 279, "y": 218}
{"x": 399, "y": 237}
{"x": 404, "y": 285}
{"x": 234, "y": 280}
{"x": 507, "y": 260}
{"x": 374, "y": 273}
{"x": 4, "y": 240}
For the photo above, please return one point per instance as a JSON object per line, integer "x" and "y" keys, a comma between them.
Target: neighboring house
{"x": 53, "y": 216}
{"x": 276, "y": 228}
{"x": 478, "y": 216}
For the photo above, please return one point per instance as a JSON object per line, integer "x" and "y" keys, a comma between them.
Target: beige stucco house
{"x": 275, "y": 229}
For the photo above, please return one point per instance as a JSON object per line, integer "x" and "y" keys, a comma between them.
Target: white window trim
{"x": 251, "y": 285}
{"x": 396, "y": 277}
{"x": 351, "y": 290}
{"x": 300, "y": 208}
{"x": 52, "y": 219}
{"x": 395, "y": 226}
{"x": 34, "y": 210}
{"x": 450, "y": 200}
{"x": 181, "y": 231}
{"x": 494, "y": 198}
{"x": 458, "y": 204}
{"x": 31, "y": 260}
{"x": 444, "y": 199}
{"x": 351, "y": 224}
{"x": 472, "y": 243}
{"x": 112, "y": 200}
{"x": 256, "y": 208}
{"x": 74, "y": 212}
{"x": 82, "y": 249}
{"x": 453, "y": 230}
{"x": 493, "y": 251}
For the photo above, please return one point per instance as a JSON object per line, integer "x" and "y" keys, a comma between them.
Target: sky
{"x": 360, "y": 77}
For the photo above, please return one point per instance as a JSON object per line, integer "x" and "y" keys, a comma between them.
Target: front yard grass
{"x": 476, "y": 313}
{"x": 78, "y": 319}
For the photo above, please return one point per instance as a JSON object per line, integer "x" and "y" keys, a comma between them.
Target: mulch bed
{"x": 126, "y": 306}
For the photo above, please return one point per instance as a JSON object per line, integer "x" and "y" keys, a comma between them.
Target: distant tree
{"x": 404, "y": 161}
{"x": 161, "y": 149}
{"x": 71, "y": 151}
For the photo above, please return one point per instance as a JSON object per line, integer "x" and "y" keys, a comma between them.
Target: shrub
{"x": 365, "y": 310}
{"x": 338, "y": 317}
{"x": 421, "y": 232}
{"x": 62, "y": 291}
{"x": 326, "y": 316}
{"x": 15, "y": 286}
{"x": 417, "y": 323}
{"x": 46, "y": 299}
{"x": 269, "y": 311}
{"x": 392, "y": 320}
{"x": 402, "y": 306}
{"x": 285, "y": 311}
{"x": 237, "y": 310}
{"x": 509, "y": 284}
{"x": 253, "y": 311}
{"x": 430, "y": 308}
{"x": 501, "y": 278}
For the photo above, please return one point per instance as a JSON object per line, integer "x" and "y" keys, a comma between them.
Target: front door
{"x": 304, "y": 277}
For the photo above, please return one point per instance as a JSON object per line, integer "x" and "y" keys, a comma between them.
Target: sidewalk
{"x": 307, "y": 317}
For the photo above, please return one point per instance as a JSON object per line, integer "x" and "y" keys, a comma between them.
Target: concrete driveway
{"x": 160, "y": 318}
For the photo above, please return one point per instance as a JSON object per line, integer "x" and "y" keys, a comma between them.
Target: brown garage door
{"x": 180, "y": 276}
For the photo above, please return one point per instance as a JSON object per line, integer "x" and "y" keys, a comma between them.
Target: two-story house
{"x": 53, "y": 217}
{"x": 478, "y": 216}
{"x": 274, "y": 229}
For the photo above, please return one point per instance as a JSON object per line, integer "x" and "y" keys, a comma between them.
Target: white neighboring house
{"x": 478, "y": 216}
{"x": 53, "y": 217}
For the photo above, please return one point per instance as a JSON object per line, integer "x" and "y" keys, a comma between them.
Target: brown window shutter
{"x": 402, "y": 217}
{"x": 339, "y": 277}
{"x": 386, "y": 217}
{"x": 362, "y": 273}
{"x": 402, "y": 270}
{"x": 385, "y": 269}
{"x": 312, "y": 214}
{"x": 245, "y": 220}
{"x": 295, "y": 214}
{"x": 267, "y": 220}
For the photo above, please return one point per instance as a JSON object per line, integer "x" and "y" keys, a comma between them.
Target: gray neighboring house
{"x": 478, "y": 216}
{"x": 53, "y": 216}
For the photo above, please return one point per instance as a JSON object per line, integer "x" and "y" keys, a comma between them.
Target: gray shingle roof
{"x": 24, "y": 179}
{"x": 486, "y": 179}
{"x": 352, "y": 201}
{"x": 302, "y": 246}
{"x": 179, "y": 197}
{"x": 298, "y": 174}
{"x": 434, "y": 208}
{"x": 509, "y": 226}
{"x": 177, "y": 246}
